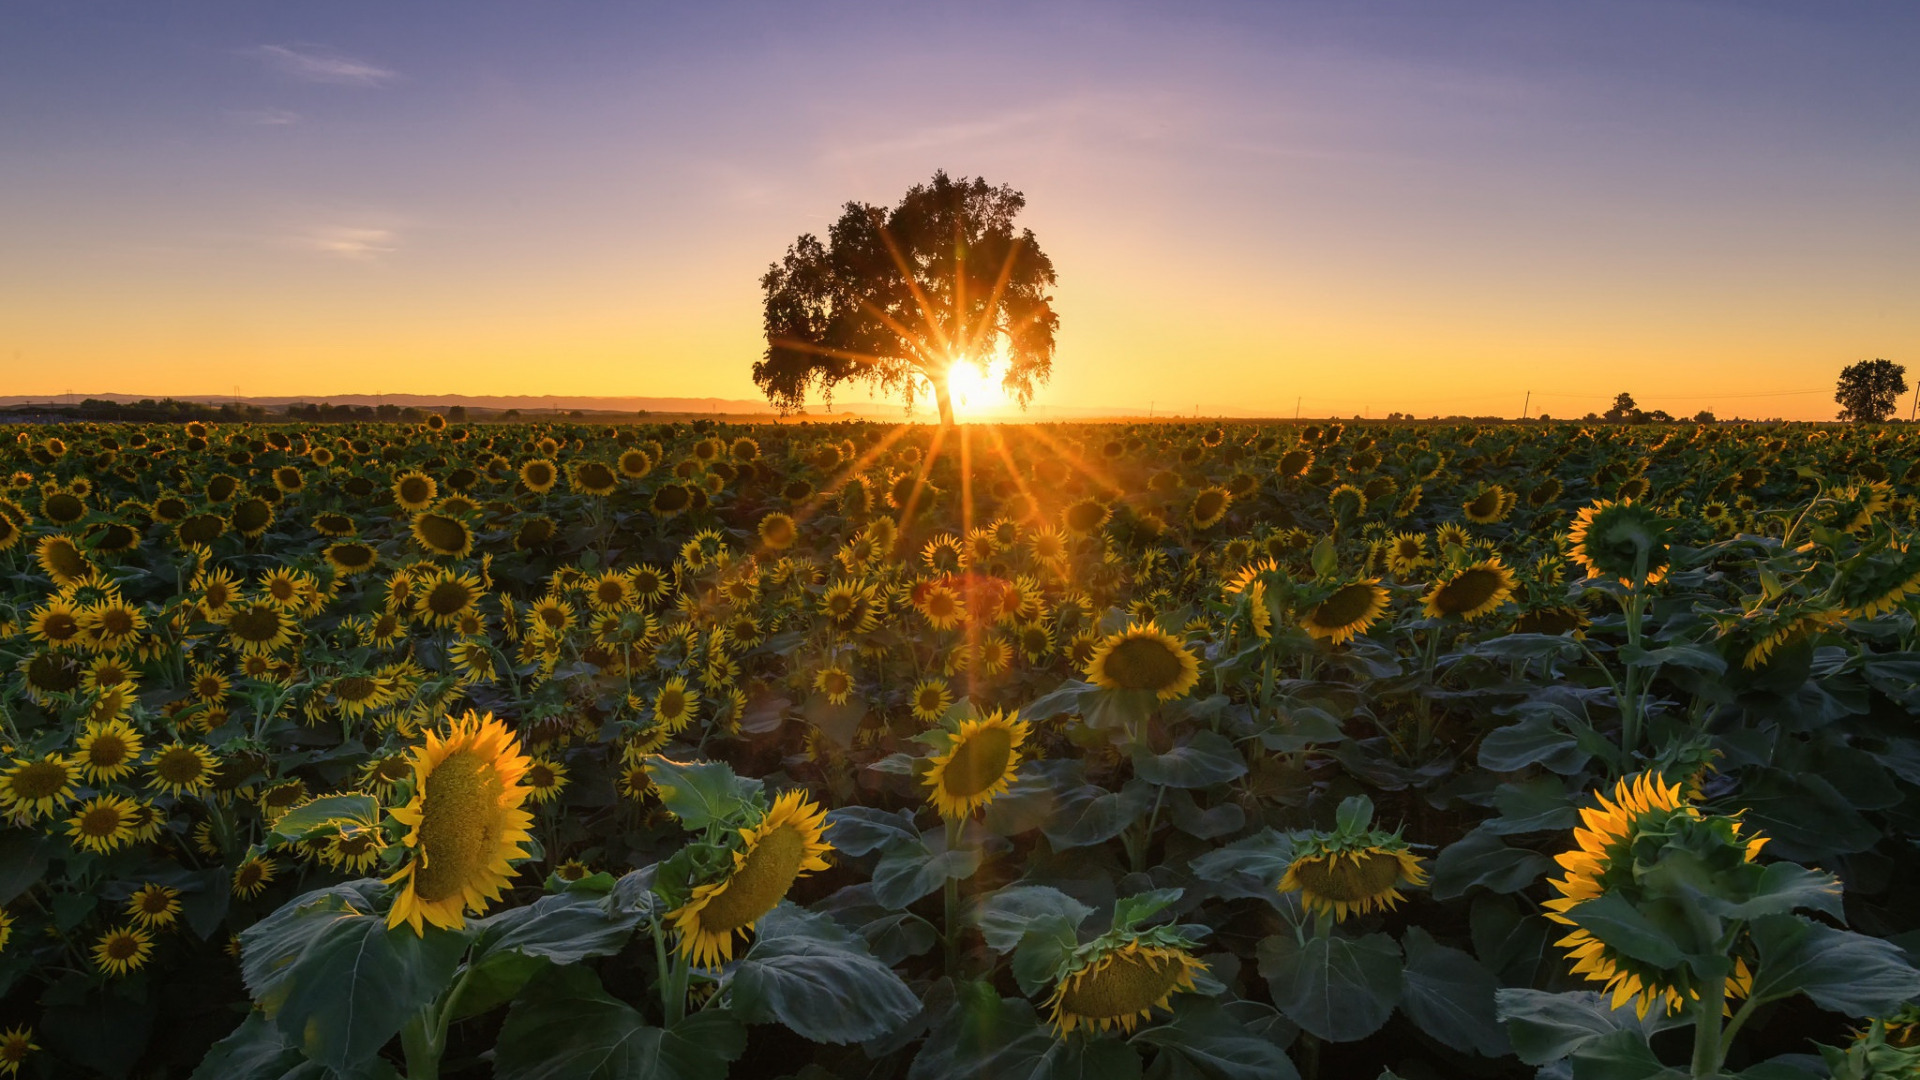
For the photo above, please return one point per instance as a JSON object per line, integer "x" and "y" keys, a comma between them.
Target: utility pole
{"x": 1529, "y": 405}
{"x": 1915, "y": 411}
{"x": 1296, "y": 408}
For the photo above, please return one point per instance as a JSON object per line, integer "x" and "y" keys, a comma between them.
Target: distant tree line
{"x": 146, "y": 410}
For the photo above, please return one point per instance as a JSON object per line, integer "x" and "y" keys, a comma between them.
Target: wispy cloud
{"x": 310, "y": 63}
{"x": 358, "y": 242}
{"x": 263, "y": 117}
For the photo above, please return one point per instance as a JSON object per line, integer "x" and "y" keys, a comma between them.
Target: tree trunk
{"x": 943, "y": 398}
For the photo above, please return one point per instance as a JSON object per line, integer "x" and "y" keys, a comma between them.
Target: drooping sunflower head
{"x": 787, "y": 842}
{"x": 1346, "y": 612}
{"x": 1471, "y": 591}
{"x": 1620, "y": 540}
{"x": 976, "y": 764}
{"x": 1120, "y": 977}
{"x": 1354, "y": 869}
{"x": 466, "y": 823}
{"x": 1144, "y": 657}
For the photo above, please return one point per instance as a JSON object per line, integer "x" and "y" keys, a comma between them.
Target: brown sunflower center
{"x": 448, "y": 597}
{"x": 179, "y": 765}
{"x": 258, "y": 624}
{"x": 442, "y": 533}
{"x": 102, "y": 821}
{"x": 459, "y": 824}
{"x": 978, "y": 762}
{"x": 1143, "y": 663}
{"x": 1348, "y": 605}
{"x": 1129, "y": 983}
{"x": 1468, "y": 591}
{"x": 107, "y": 750}
{"x": 39, "y": 780}
{"x": 123, "y": 947}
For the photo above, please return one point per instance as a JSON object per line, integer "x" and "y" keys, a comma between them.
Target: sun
{"x": 976, "y": 391}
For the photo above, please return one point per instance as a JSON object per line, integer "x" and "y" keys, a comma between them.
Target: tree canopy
{"x": 1868, "y": 390}
{"x": 897, "y": 298}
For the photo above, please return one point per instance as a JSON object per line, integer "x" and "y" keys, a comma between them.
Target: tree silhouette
{"x": 898, "y": 298}
{"x": 1623, "y": 406}
{"x": 1868, "y": 389}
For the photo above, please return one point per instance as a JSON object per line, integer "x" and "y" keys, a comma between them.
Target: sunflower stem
{"x": 416, "y": 1044}
{"x": 1706, "y": 1029}
{"x": 951, "y": 894}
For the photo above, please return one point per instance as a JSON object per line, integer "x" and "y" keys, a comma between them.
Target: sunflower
{"x": 834, "y": 683}
{"x": 545, "y": 779}
{"x": 442, "y": 534}
{"x": 15, "y": 1044}
{"x": 55, "y": 623}
{"x": 673, "y": 707}
{"x": 931, "y": 698}
{"x": 593, "y": 478}
{"x": 349, "y": 557}
{"x": 1472, "y": 591}
{"x": 1143, "y": 657}
{"x": 778, "y": 531}
{"x": 252, "y": 876}
{"x": 787, "y": 843}
{"x": 465, "y": 823}
{"x": 1608, "y": 539}
{"x": 1491, "y": 504}
{"x": 610, "y": 590}
{"x": 849, "y": 608}
{"x": 102, "y": 824}
{"x": 35, "y": 789}
{"x": 257, "y": 629}
{"x": 62, "y": 560}
{"x": 1085, "y": 517}
{"x": 334, "y": 524}
{"x": 635, "y": 463}
{"x": 122, "y": 949}
{"x": 448, "y": 594}
{"x": 1347, "y": 612}
{"x": 977, "y": 765}
{"x": 1351, "y": 871}
{"x": 252, "y": 517}
{"x": 1120, "y": 983}
{"x": 1407, "y": 554}
{"x": 107, "y": 751}
{"x": 154, "y": 905}
{"x": 1210, "y": 506}
{"x": 1605, "y": 860}
{"x": 414, "y": 490}
{"x": 183, "y": 769}
{"x": 939, "y": 605}
{"x": 354, "y": 849}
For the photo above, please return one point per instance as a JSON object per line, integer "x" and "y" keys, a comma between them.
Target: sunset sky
{"x": 1362, "y": 207}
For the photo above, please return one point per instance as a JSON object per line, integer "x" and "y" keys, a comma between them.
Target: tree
{"x": 1704, "y": 416}
{"x": 1623, "y": 406}
{"x": 1868, "y": 390}
{"x": 899, "y": 298}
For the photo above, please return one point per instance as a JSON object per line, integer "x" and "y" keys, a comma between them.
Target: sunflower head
{"x": 465, "y": 820}
{"x": 721, "y": 892}
{"x": 1471, "y": 591}
{"x": 974, "y": 761}
{"x": 1647, "y": 844}
{"x": 1144, "y": 657}
{"x": 1119, "y": 978}
{"x": 1347, "y": 611}
{"x": 1354, "y": 869}
{"x": 1624, "y": 540}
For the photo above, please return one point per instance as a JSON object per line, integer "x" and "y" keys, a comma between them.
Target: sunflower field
{"x": 562, "y": 750}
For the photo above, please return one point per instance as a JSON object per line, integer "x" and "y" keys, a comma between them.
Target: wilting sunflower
{"x": 1604, "y": 860}
{"x": 182, "y": 769}
{"x": 1348, "y": 612}
{"x": 102, "y": 824}
{"x": 931, "y": 698}
{"x": 787, "y": 843}
{"x": 977, "y": 765}
{"x": 465, "y": 823}
{"x": 414, "y": 490}
{"x": 442, "y": 534}
{"x": 154, "y": 905}
{"x": 36, "y": 789}
{"x": 122, "y": 949}
{"x": 1119, "y": 980}
{"x": 1355, "y": 869}
{"x": 1607, "y": 540}
{"x": 1471, "y": 591}
{"x": 1144, "y": 657}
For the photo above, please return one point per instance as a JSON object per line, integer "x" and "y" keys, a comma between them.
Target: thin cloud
{"x": 360, "y": 243}
{"x": 312, "y": 64}
{"x": 263, "y": 117}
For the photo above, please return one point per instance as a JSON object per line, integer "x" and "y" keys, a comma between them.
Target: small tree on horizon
{"x": 1623, "y": 407}
{"x": 1868, "y": 390}
{"x": 899, "y": 298}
